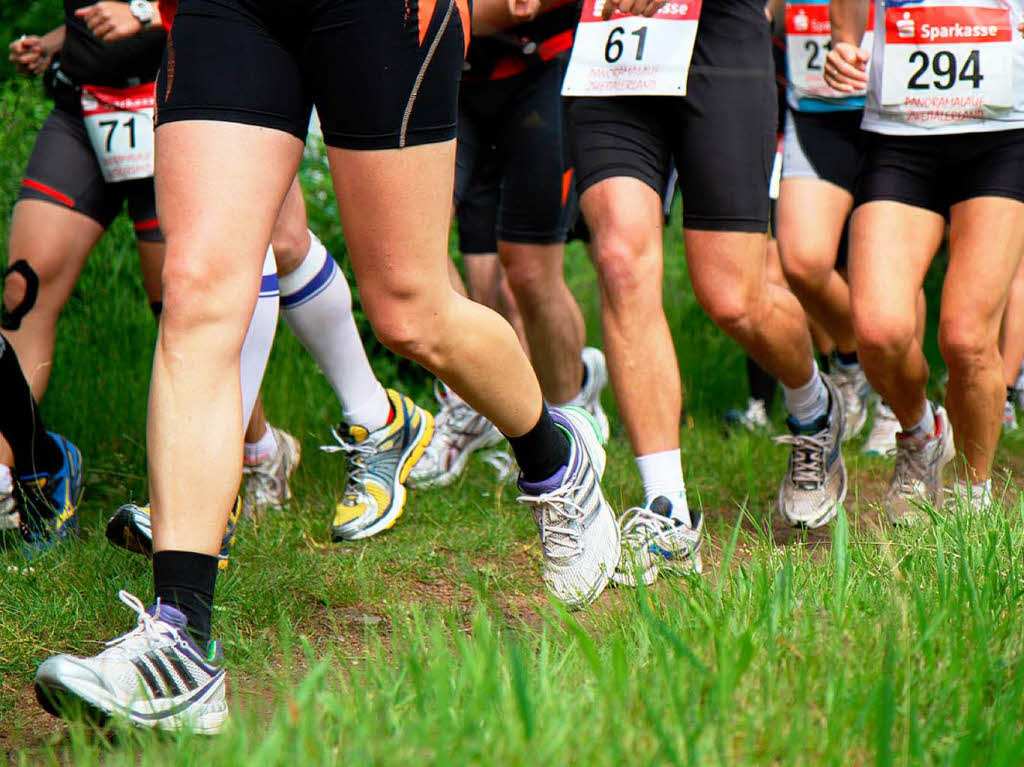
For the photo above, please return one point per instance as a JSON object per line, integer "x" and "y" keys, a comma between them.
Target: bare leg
{"x": 1011, "y": 334}
{"x": 488, "y": 285}
{"x": 219, "y": 189}
{"x": 986, "y": 238}
{"x": 396, "y": 223}
{"x": 891, "y": 247}
{"x": 552, "y": 318}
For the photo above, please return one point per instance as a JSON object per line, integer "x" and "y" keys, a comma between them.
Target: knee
{"x": 804, "y": 271}
{"x": 965, "y": 343}
{"x": 732, "y": 308}
{"x": 406, "y": 325}
{"x": 197, "y": 291}
{"x": 290, "y": 240}
{"x": 883, "y": 334}
{"x": 627, "y": 269}
{"x": 529, "y": 280}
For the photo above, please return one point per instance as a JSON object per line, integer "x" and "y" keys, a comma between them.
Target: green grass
{"x": 435, "y": 643}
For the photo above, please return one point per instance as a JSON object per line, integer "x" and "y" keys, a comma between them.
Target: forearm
{"x": 53, "y": 41}
{"x": 492, "y": 16}
{"x": 849, "y": 20}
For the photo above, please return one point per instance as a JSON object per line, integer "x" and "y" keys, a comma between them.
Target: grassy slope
{"x": 435, "y": 643}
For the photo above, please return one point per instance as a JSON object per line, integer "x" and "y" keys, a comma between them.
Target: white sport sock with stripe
{"x": 317, "y": 306}
{"x": 259, "y": 338}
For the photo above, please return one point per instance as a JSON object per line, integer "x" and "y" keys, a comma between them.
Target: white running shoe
{"x": 754, "y": 419}
{"x": 589, "y": 397}
{"x": 265, "y": 484}
{"x": 854, "y": 389}
{"x": 881, "y": 439}
{"x": 154, "y": 676}
{"x": 1018, "y": 389}
{"x": 1009, "y": 416}
{"x": 815, "y": 480}
{"x": 459, "y": 431}
{"x": 658, "y": 537}
{"x": 578, "y": 533}
{"x": 973, "y": 498}
{"x": 9, "y": 516}
{"x": 917, "y": 476}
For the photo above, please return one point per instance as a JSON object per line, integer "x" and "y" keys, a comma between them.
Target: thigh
{"x": 986, "y": 239}
{"x": 621, "y": 137}
{"x": 384, "y": 73}
{"x": 535, "y": 165}
{"x": 723, "y": 135}
{"x": 63, "y": 170}
{"x": 235, "y": 61}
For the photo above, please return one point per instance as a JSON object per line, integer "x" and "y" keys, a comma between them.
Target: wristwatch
{"x": 141, "y": 10}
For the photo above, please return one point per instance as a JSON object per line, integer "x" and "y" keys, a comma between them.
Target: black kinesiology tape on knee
{"x": 10, "y": 319}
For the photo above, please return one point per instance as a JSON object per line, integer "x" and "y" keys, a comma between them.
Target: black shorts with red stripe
{"x": 63, "y": 170}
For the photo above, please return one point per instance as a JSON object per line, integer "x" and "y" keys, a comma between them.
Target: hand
{"x": 846, "y": 68}
{"x": 30, "y": 55}
{"x": 524, "y": 10}
{"x": 110, "y": 21}
{"x": 1020, "y": 28}
{"x": 634, "y": 7}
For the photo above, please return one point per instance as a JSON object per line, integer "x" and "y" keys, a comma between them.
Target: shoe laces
{"x": 358, "y": 456}
{"x": 642, "y": 525}
{"x": 911, "y": 466}
{"x": 806, "y": 459}
{"x": 455, "y": 419}
{"x": 261, "y": 478}
{"x": 558, "y": 515}
{"x": 147, "y": 631}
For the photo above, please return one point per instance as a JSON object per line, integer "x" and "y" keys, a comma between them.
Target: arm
{"x": 32, "y": 54}
{"x": 110, "y": 20}
{"x": 847, "y": 63}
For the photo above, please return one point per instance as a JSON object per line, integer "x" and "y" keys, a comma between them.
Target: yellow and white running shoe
{"x": 379, "y": 463}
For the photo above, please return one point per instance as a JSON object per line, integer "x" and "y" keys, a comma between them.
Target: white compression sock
{"x": 809, "y": 402}
{"x": 317, "y": 305}
{"x": 259, "y": 338}
{"x": 662, "y": 474}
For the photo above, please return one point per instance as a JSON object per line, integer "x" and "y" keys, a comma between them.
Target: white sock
{"x": 317, "y": 305}
{"x": 261, "y": 449}
{"x": 6, "y": 479}
{"x": 259, "y": 338}
{"x": 925, "y": 428}
{"x": 807, "y": 403}
{"x": 662, "y": 474}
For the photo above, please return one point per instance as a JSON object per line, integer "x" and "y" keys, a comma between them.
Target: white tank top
{"x": 941, "y": 66}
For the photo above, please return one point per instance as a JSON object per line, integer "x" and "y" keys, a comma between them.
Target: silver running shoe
{"x": 589, "y": 397}
{"x": 881, "y": 439}
{"x": 459, "y": 431}
{"x": 154, "y": 676}
{"x": 265, "y": 484}
{"x": 917, "y": 478}
{"x": 815, "y": 481}
{"x": 974, "y": 499}
{"x": 9, "y": 516}
{"x": 854, "y": 389}
{"x": 578, "y": 533}
{"x": 754, "y": 419}
{"x": 655, "y": 539}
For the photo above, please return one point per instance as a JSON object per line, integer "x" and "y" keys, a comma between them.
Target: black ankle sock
{"x": 542, "y": 451}
{"x": 762, "y": 384}
{"x": 1011, "y": 395}
{"x": 157, "y": 307}
{"x": 586, "y": 377}
{"x": 35, "y": 451}
{"x": 824, "y": 364}
{"x": 847, "y": 358}
{"x": 185, "y": 580}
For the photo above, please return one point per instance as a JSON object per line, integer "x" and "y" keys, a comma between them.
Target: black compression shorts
{"x": 721, "y": 135}
{"x": 383, "y": 74}
{"x": 936, "y": 172}
{"x": 824, "y": 145}
{"x": 477, "y": 210}
{"x": 63, "y": 169}
{"x": 515, "y": 125}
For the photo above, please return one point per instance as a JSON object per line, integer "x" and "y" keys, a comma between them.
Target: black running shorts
{"x": 936, "y": 172}
{"x": 721, "y": 135}
{"x": 63, "y": 170}
{"x": 824, "y": 145}
{"x": 382, "y": 73}
{"x": 516, "y": 124}
{"x": 477, "y": 208}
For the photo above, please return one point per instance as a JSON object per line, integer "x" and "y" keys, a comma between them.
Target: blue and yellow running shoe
{"x": 49, "y": 502}
{"x": 379, "y": 463}
{"x": 130, "y": 528}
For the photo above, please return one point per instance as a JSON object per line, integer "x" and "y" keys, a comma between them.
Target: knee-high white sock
{"x": 259, "y": 338}
{"x": 317, "y": 306}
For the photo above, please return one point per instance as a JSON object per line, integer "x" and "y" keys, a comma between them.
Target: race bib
{"x": 808, "y": 41}
{"x": 632, "y": 55}
{"x": 119, "y": 122}
{"x": 947, "y": 64}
